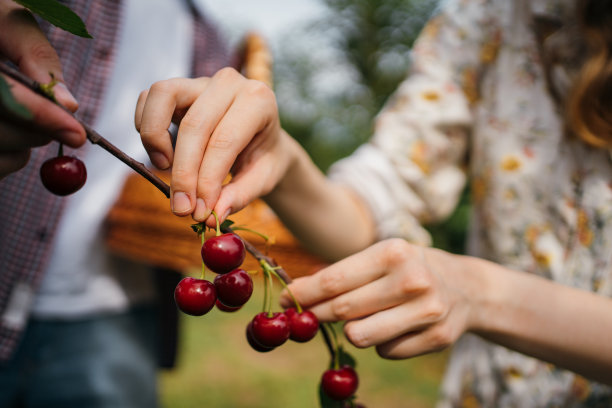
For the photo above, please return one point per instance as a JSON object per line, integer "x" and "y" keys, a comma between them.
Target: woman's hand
{"x": 22, "y": 42}
{"x": 404, "y": 299}
{"x": 227, "y": 123}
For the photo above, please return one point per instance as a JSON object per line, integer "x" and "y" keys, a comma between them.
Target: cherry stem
{"x": 264, "y": 236}
{"x": 203, "y": 274}
{"x": 336, "y": 356}
{"x": 60, "y": 151}
{"x": 218, "y": 230}
{"x": 272, "y": 271}
{"x": 93, "y": 136}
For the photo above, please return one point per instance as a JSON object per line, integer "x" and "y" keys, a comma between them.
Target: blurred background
{"x": 335, "y": 64}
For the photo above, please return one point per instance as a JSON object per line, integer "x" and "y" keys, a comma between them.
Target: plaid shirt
{"x": 29, "y": 214}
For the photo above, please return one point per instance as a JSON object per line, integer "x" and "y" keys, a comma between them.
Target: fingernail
{"x": 180, "y": 203}
{"x": 159, "y": 160}
{"x": 72, "y": 138}
{"x": 63, "y": 96}
{"x": 201, "y": 212}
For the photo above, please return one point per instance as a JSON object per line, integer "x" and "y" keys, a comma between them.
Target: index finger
{"x": 348, "y": 274}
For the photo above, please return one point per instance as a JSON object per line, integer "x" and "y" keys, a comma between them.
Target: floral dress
{"x": 479, "y": 105}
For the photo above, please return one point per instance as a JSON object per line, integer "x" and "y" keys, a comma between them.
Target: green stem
{"x": 264, "y": 236}
{"x": 265, "y": 265}
{"x": 203, "y": 274}
{"x": 217, "y": 221}
{"x": 336, "y": 345}
{"x": 60, "y": 151}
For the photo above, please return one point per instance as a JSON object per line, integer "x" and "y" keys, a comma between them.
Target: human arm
{"x": 408, "y": 300}
{"x": 22, "y": 42}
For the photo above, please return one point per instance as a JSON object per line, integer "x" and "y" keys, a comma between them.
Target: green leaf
{"x": 199, "y": 228}
{"x": 58, "y": 15}
{"x": 226, "y": 224}
{"x": 9, "y": 102}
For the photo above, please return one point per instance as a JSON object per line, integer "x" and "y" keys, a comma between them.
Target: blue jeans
{"x": 101, "y": 362}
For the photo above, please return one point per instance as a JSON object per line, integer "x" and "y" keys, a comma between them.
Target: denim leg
{"x": 102, "y": 362}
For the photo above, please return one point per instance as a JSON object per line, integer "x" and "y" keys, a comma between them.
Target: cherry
{"x": 270, "y": 331}
{"x": 195, "y": 296}
{"x": 234, "y": 288}
{"x": 253, "y": 343}
{"x": 63, "y": 175}
{"x": 225, "y": 308}
{"x": 223, "y": 253}
{"x": 303, "y": 326}
{"x": 340, "y": 384}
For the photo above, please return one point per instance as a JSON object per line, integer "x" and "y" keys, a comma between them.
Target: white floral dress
{"x": 477, "y": 106}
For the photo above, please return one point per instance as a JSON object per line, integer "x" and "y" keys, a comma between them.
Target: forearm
{"x": 568, "y": 327}
{"x": 327, "y": 218}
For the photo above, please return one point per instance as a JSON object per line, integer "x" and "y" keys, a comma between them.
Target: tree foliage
{"x": 333, "y": 77}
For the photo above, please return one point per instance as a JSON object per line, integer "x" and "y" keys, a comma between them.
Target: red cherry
{"x": 223, "y": 253}
{"x": 63, "y": 175}
{"x": 304, "y": 326}
{"x": 270, "y": 331}
{"x": 224, "y": 308}
{"x": 253, "y": 343}
{"x": 195, "y": 296}
{"x": 234, "y": 288}
{"x": 340, "y": 384}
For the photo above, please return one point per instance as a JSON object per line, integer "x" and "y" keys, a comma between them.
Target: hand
{"x": 404, "y": 299}
{"x": 227, "y": 123}
{"x": 22, "y": 42}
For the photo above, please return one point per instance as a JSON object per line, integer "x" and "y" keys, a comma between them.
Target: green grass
{"x": 218, "y": 369}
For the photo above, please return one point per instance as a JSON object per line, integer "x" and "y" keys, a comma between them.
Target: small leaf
{"x": 346, "y": 358}
{"x": 199, "y": 228}
{"x": 226, "y": 224}
{"x": 9, "y": 102}
{"x": 58, "y": 15}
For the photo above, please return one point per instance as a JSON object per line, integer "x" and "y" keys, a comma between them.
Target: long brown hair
{"x": 589, "y": 106}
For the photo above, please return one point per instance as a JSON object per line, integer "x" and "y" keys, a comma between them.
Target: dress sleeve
{"x": 412, "y": 171}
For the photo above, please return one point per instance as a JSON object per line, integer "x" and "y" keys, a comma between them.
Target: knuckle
{"x": 396, "y": 251}
{"x": 260, "y": 90}
{"x": 440, "y": 337}
{"x": 162, "y": 87}
{"x": 414, "y": 281}
{"x": 357, "y": 337}
{"x": 435, "y": 310}
{"x": 221, "y": 140}
{"x": 330, "y": 282}
{"x": 42, "y": 51}
{"x": 181, "y": 177}
{"x": 227, "y": 74}
{"x": 341, "y": 308}
{"x": 190, "y": 123}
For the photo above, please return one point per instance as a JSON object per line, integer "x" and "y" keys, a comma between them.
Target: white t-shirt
{"x": 82, "y": 278}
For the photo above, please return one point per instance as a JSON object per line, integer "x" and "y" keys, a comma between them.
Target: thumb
{"x": 31, "y": 52}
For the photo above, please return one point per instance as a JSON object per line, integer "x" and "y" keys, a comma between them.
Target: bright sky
{"x": 272, "y": 18}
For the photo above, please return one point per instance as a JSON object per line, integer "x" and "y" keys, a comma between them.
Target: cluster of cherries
{"x": 233, "y": 287}
{"x": 230, "y": 290}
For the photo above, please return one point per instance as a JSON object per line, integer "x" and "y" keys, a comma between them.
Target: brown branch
{"x": 93, "y": 136}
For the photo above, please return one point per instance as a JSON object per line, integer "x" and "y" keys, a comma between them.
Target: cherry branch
{"x": 97, "y": 139}
{"x": 93, "y": 136}
{"x": 257, "y": 254}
